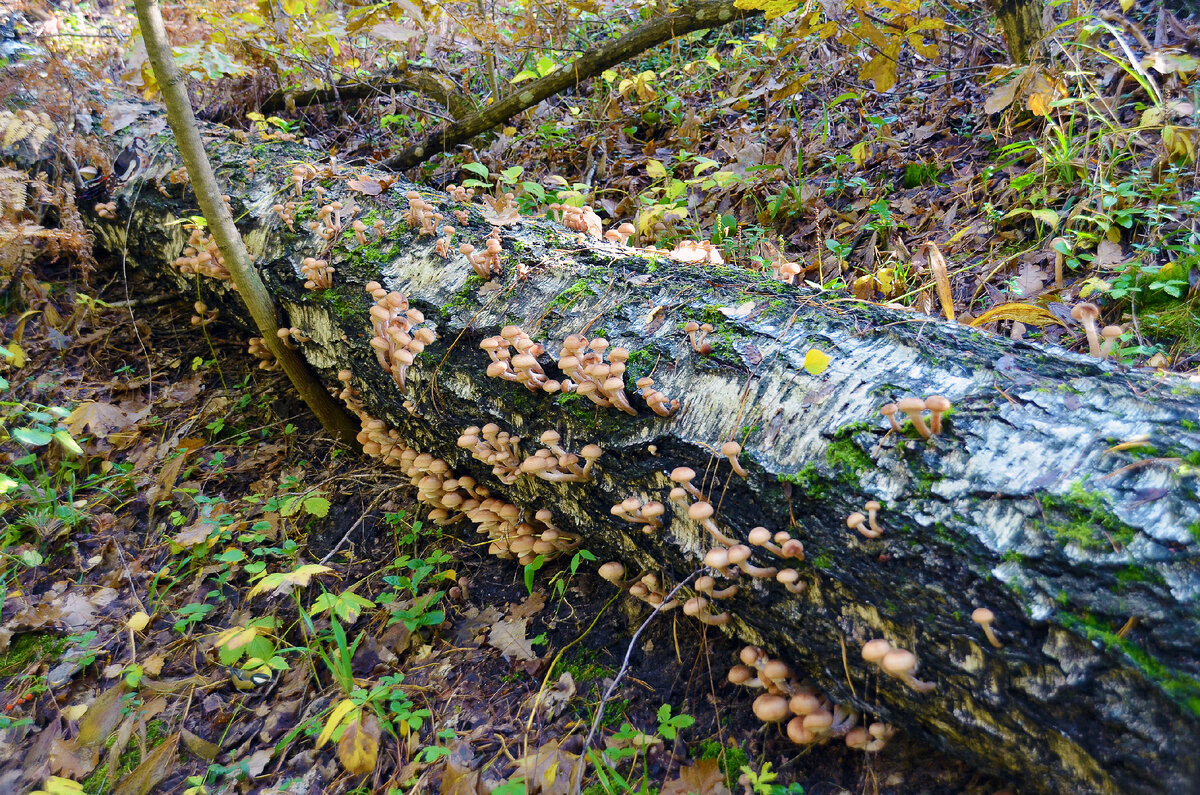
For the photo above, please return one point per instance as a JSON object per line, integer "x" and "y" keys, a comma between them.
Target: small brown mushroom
{"x": 984, "y": 618}
{"x": 732, "y": 450}
{"x": 1088, "y": 313}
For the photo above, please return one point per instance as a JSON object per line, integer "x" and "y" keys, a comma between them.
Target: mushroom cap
{"x": 1086, "y": 311}
{"x": 874, "y": 650}
{"x": 770, "y": 708}
{"x": 691, "y": 326}
{"x": 591, "y": 452}
{"x": 731, "y": 449}
{"x": 699, "y": 511}
{"x": 740, "y": 674}
{"x": 1111, "y": 332}
{"x": 798, "y": 734}
{"x": 937, "y": 403}
{"x": 705, "y": 584}
{"x": 694, "y": 605}
{"x": 854, "y": 520}
{"x": 759, "y": 536}
{"x": 819, "y": 721}
{"x": 682, "y": 474}
{"x": 717, "y": 558}
{"x": 612, "y": 571}
{"x": 787, "y": 576}
{"x": 626, "y": 228}
{"x": 857, "y": 738}
{"x": 750, "y": 654}
{"x": 776, "y": 670}
{"x": 739, "y": 553}
{"x": 898, "y": 662}
{"x": 910, "y": 404}
{"x": 872, "y": 505}
{"x": 888, "y": 409}
{"x": 804, "y": 704}
{"x": 983, "y": 616}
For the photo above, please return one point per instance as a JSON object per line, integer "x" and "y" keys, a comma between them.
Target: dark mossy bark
{"x": 1085, "y": 551}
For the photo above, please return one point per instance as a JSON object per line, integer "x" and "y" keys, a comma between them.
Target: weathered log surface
{"x": 1086, "y": 553}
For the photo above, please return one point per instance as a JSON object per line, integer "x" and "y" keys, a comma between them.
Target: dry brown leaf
{"x": 365, "y": 184}
{"x": 546, "y": 770}
{"x": 70, "y": 761}
{"x": 553, "y": 702}
{"x": 702, "y": 778}
{"x": 153, "y": 769}
{"x": 101, "y": 419}
{"x": 509, "y": 637}
{"x": 1030, "y": 281}
{"x": 531, "y": 606}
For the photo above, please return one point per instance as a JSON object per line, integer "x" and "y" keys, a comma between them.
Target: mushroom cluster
{"x": 300, "y": 174}
{"x": 659, "y": 403}
{"x": 695, "y": 251}
{"x": 287, "y": 212}
{"x": 620, "y": 234}
{"x": 290, "y": 336}
{"x": 913, "y": 407}
{"x": 647, "y": 514}
{"x": 812, "y": 717}
{"x": 106, "y": 210}
{"x": 645, "y": 587}
{"x": 594, "y": 371}
{"x": 523, "y": 368}
{"x": 201, "y": 257}
{"x": 581, "y": 219}
{"x": 331, "y": 219}
{"x": 696, "y": 333}
{"x": 511, "y": 534}
{"x": 553, "y": 463}
{"x": 496, "y": 448}
{"x": 203, "y": 315}
{"x": 444, "y": 244}
{"x": 487, "y": 262}
{"x": 421, "y": 214}
{"x": 396, "y": 341}
{"x": 699, "y": 511}
{"x": 317, "y": 272}
{"x": 867, "y": 526}
{"x": 897, "y": 663}
{"x": 460, "y": 194}
{"x": 1088, "y": 313}
{"x": 259, "y": 350}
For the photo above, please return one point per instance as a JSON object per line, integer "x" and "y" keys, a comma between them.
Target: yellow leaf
{"x": 859, "y": 152}
{"x": 1126, "y": 5}
{"x": 18, "y": 355}
{"x": 882, "y": 68}
{"x": 815, "y": 361}
{"x": 236, "y": 637}
{"x": 59, "y": 786}
{"x": 138, "y": 621}
{"x": 282, "y": 581}
{"x": 334, "y": 720}
{"x": 655, "y": 169}
{"x": 1039, "y": 104}
{"x": 358, "y": 749}
{"x": 1029, "y": 314}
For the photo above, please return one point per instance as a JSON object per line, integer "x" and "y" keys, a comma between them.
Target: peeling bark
{"x": 1085, "y": 552}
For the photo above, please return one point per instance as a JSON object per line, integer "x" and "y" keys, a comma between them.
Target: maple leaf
{"x": 509, "y": 637}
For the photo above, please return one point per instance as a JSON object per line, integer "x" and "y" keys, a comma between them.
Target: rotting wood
{"x": 1024, "y": 504}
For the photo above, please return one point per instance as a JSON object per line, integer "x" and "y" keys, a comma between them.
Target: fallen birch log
{"x": 1028, "y": 556}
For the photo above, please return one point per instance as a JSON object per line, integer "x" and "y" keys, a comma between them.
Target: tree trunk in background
{"x": 1085, "y": 552}
{"x": 1021, "y": 23}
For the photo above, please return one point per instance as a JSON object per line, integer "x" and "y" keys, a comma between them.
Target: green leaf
{"x": 33, "y": 437}
{"x": 510, "y": 174}
{"x": 317, "y": 506}
{"x": 477, "y": 168}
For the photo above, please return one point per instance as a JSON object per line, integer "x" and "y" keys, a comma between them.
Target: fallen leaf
{"x": 199, "y": 746}
{"x": 553, "y": 703}
{"x": 365, "y": 184}
{"x": 138, "y": 621}
{"x": 102, "y": 716}
{"x": 68, "y": 759}
{"x": 153, "y": 769}
{"x": 815, "y": 361}
{"x": 546, "y": 770}
{"x": 739, "y": 311}
{"x": 509, "y": 637}
{"x": 282, "y": 582}
{"x": 702, "y": 778}
{"x": 1029, "y": 314}
{"x": 358, "y": 749}
{"x": 531, "y": 606}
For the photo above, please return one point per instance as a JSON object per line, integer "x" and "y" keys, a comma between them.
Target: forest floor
{"x": 165, "y": 502}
